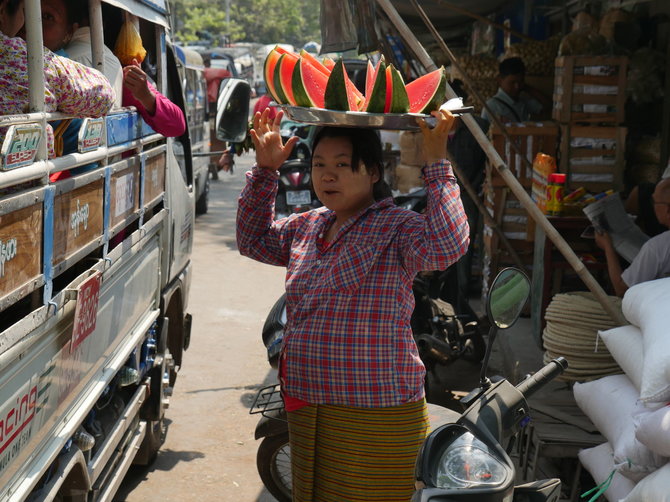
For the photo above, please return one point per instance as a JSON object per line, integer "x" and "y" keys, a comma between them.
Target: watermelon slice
{"x": 354, "y": 96}
{"x": 339, "y": 90}
{"x": 376, "y": 98}
{"x": 283, "y": 77}
{"x": 389, "y": 89}
{"x": 399, "y": 99}
{"x": 269, "y": 71}
{"x": 328, "y": 63}
{"x": 314, "y": 62}
{"x": 309, "y": 85}
{"x": 427, "y": 93}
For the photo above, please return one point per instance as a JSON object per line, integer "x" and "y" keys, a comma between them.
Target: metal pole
{"x": 495, "y": 160}
{"x": 33, "y": 12}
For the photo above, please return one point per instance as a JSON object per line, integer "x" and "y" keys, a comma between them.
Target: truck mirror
{"x": 232, "y": 110}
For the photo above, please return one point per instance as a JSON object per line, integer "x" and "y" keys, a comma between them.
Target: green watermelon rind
{"x": 399, "y": 99}
{"x": 335, "y": 97}
{"x": 280, "y": 96}
{"x": 377, "y": 100}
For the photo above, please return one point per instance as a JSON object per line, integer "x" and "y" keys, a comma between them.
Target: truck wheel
{"x": 273, "y": 461}
{"x": 202, "y": 204}
{"x": 153, "y": 440}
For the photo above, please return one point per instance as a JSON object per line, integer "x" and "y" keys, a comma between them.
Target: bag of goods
{"x": 538, "y": 57}
{"x": 631, "y": 458}
{"x": 303, "y": 80}
{"x": 479, "y": 67}
{"x": 645, "y": 76}
{"x": 616, "y": 21}
{"x": 599, "y": 461}
{"x": 129, "y": 44}
{"x": 543, "y": 166}
{"x": 584, "y": 38}
{"x": 653, "y": 487}
{"x": 646, "y": 305}
{"x": 653, "y": 430}
{"x": 626, "y": 346}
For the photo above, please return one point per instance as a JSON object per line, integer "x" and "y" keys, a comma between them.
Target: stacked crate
{"x": 589, "y": 103}
{"x": 510, "y": 216}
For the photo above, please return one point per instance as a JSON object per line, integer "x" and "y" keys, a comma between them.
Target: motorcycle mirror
{"x": 505, "y": 300}
{"x": 507, "y": 296}
{"x": 232, "y": 115}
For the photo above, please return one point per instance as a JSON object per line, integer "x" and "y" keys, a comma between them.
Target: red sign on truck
{"x": 86, "y": 310}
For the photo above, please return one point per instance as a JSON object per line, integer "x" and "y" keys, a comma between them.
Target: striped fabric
{"x": 341, "y": 453}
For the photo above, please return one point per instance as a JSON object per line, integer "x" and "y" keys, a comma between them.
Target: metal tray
{"x": 393, "y": 121}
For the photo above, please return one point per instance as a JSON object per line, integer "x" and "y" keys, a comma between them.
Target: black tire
{"x": 153, "y": 440}
{"x": 273, "y": 461}
{"x": 202, "y": 204}
{"x": 474, "y": 347}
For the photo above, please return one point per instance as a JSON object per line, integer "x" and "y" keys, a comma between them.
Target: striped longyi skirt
{"x": 340, "y": 453}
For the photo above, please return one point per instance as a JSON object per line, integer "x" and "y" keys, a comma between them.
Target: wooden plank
{"x": 154, "y": 182}
{"x": 20, "y": 247}
{"x": 78, "y": 217}
{"x": 125, "y": 191}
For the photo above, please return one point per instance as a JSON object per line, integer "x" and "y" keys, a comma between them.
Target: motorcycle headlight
{"x": 469, "y": 463}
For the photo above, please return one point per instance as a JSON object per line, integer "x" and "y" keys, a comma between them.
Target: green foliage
{"x": 262, "y": 21}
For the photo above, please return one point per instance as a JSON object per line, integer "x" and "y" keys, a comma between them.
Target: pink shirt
{"x": 70, "y": 87}
{"x": 168, "y": 119}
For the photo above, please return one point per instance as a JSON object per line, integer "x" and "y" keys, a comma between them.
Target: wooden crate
{"x": 20, "y": 249}
{"x": 590, "y": 89}
{"x": 531, "y": 138}
{"x": 125, "y": 195}
{"x": 593, "y": 157}
{"x": 78, "y": 216}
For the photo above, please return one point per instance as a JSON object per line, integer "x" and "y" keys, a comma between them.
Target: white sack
{"x": 653, "y": 430}
{"x": 610, "y": 403}
{"x": 600, "y": 464}
{"x": 647, "y": 305}
{"x": 627, "y": 348}
{"x": 653, "y": 488}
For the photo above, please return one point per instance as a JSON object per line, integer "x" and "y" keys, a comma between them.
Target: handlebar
{"x": 537, "y": 380}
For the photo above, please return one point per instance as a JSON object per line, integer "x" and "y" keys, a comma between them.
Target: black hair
{"x": 459, "y": 88}
{"x": 366, "y": 147}
{"x": 511, "y": 66}
{"x": 77, "y": 11}
{"x": 12, "y": 6}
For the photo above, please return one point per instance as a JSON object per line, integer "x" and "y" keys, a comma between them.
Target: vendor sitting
{"x": 653, "y": 260}
{"x": 515, "y": 100}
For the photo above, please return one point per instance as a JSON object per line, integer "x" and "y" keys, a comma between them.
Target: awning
{"x": 153, "y": 11}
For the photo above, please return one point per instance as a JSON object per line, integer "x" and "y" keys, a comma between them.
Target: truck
{"x": 95, "y": 273}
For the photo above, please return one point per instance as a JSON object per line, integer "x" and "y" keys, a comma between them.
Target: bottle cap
{"x": 557, "y": 178}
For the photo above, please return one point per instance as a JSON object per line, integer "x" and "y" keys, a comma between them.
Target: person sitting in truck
{"x": 653, "y": 260}
{"x": 515, "y": 101}
{"x": 70, "y": 87}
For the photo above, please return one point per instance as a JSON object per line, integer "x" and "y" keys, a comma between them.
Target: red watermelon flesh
{"x": 427, "y": 92}
{"x": 370, "y": 78}
{"x": 285, "y": 69}
{"x": 314, "y": 62}
{"x": 269, "y": 71}
{"x": 312, "y": 85}
{"x": 389, "y": 89}
{"x": 329, "y": 63}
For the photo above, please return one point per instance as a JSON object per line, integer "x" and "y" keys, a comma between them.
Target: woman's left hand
{"x": 435, "y": 139}
{"x": 135, "y": 80}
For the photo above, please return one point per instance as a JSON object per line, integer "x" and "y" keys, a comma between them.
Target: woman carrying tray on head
{"x": 350, "y": 372}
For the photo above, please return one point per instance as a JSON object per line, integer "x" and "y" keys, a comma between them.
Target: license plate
{"x": 298, "y": 197}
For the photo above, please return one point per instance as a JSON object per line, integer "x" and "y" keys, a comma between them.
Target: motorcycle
{"x": 295, "y": 193}
{"x": 488, "y": 403}
{"x": 464, "y": 459}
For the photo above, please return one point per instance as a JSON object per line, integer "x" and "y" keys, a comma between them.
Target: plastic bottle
{"x": 555, "y": 189}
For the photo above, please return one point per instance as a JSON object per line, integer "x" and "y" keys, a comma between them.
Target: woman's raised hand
{"x": 435, "y": 139}
{"x": 271, "y": 153}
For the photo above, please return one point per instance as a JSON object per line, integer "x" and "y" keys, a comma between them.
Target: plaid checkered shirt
{"x": 348, "y": 339}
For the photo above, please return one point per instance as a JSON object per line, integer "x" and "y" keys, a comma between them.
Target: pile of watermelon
{"x": 302, "y": 80}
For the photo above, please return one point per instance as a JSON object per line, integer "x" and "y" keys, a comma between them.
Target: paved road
{"x": 210, "y": 451}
